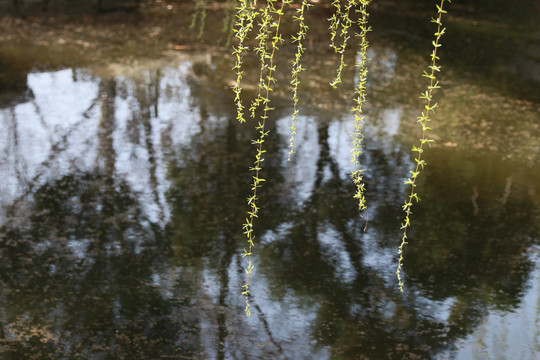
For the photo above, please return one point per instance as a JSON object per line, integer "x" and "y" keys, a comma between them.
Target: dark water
{"x": 123, "y": 196}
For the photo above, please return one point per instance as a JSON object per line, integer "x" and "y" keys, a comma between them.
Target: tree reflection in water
{"x": 134, "y": 251}
{"x": 77, "y": 280}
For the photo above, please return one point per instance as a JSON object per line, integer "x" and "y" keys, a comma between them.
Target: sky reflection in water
{"x": 121, "y": 207}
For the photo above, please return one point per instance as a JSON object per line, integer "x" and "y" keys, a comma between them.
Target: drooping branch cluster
{"x": 267, "y": 16}
{"x": 268, "y": 19}
{"x": 340, "y": 23}
{"x": 269, "y": 29}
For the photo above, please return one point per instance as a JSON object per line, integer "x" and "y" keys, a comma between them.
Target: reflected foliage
{"x": 473, "y": 241}
{"x": 77, "y": 278}
{"x": 475, "y": 258}
{"x": 207, "y": 181}
{"x": 357, "y": 312}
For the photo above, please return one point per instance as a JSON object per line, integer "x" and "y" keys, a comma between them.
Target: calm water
{"x": 123, "y": 195}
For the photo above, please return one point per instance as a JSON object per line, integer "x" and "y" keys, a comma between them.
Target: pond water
{"x": 123, "y": 196}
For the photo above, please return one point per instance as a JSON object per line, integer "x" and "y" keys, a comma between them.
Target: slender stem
{"x": 423, "y": 120}
{"x": 296, "y": 69}
{"x": 360, "y": 90}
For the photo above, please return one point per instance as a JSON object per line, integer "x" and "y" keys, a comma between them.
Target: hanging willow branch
{"x": 265, "y": 33}
{"x": 342, "y": 16}
{"x": 297, "y": 69}
{"x": 244, "y": 23}
{"x": 334, "y": 24}
{"x": 360, "y": 91}
{"x": 424, "y": 119}
{"x": 256, "y": 168}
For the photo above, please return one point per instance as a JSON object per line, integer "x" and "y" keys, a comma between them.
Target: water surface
{"x": 123, "y": 197}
